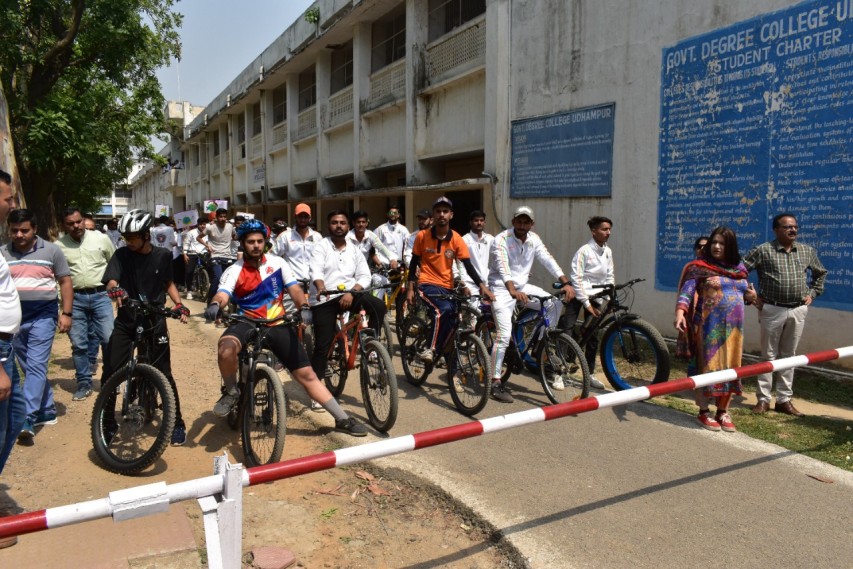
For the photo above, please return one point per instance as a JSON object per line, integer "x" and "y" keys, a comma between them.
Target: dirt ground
{"x": 356, "y": 516}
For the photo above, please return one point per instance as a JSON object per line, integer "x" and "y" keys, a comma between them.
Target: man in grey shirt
{"x": 217, "y": 238}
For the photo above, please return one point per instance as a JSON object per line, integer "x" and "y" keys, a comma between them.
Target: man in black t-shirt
{"x": 142, "y": 272}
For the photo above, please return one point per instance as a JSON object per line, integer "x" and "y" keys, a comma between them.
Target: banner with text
{"x": 757, "y": 119}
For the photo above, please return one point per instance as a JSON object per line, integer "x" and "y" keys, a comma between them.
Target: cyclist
{"x": 338, "y": 263}
{"x": 479, "y": 243}
{"x": 591, "y": 265}
{"x": 424, "y": 218}
{"x": 434, "y": 252}
{"x": 393, "y": 233}
{"x": 143, "y": 272}
{"x": 256, "y": 284}
{"x": 368, "y": 241}
{"x": 295, "y": 245}
{"x": 217, "y": 238}
{"x": 511, "y": 260}
{"x": 192, "y": 250}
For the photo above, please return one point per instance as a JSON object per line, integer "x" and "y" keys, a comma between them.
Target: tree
{"x": 83, "y": 96}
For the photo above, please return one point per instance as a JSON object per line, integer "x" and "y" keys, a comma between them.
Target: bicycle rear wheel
{"x": 414, "y": 342}
{"x": 379, "y": 386}
{"x": 471, "y": 380}
{"x": 336, "y": 370}
{"x": 634, "y": 354}
{"x": 264, "y": 418}
{"x": 133, "y": 419}
{"x": 563, "y": 371}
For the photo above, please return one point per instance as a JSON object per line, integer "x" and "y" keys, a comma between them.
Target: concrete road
{"x": 636, "y": 486}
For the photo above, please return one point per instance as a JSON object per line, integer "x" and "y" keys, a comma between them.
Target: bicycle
{"x": 548, "y": 352}
{"x": 261, "y": 409}
{"x": 632, "y": 351}
{"x": 134, "y": 414}
{"x": 395, "y": 298}
{"x": 377, "y": 377}
{"x": 469, "y": 372}
{"x": 201, "y": 280}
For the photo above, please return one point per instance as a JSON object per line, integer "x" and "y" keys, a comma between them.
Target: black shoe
{"x": 351, "y": 427}
{"x": 501, "y": 393}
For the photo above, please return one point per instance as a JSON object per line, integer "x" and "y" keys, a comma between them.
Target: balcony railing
{"x": 307, "y": 123}
{"x": 387, "y": 85}
{"x": 340, "y": 107}
{"x": 463, "y": 46}
{"x": 279, "y": 133}
{"x": 257, "y": 145}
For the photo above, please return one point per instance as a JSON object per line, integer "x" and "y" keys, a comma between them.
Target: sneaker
{"x": 189, "y": 296}
{"x": 427, "y": 356}
{"x": 351, "y": 427}
{"x": 725, "y": 421}
{"x": 226, "y": 403}
{"x": 45, "y": 419}
{"x": 27, "y": 431}
{"x": 706, "y": 421}
{"x": 82, "y": 393}
{"x": 179, "y": 436}
{"x": 594, "y": 382}
{"x": 316, "y": 407}
{"x": 457, "y": 385}
{"x": 501, "y": 393}
{"x": 557, "y": 383}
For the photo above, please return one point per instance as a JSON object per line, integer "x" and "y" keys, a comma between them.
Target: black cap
{"x": 425, "y": 213}
{"x": 442, "y": 201}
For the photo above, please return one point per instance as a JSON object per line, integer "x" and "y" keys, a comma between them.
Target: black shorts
{"x": 281, "y": 340}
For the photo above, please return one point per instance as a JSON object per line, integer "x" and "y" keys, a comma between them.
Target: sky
{"x": 219, "y": 39}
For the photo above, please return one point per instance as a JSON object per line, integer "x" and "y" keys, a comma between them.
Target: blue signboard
{"x": 757, "y": 119}
{"x": 566, "y": 154}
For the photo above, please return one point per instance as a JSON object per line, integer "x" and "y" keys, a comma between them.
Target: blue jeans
{"x": 445, "y": 314}
{"x": 93, "y": 313}
{"x": 12, "y": 411}
{"x": 33, "y": 343}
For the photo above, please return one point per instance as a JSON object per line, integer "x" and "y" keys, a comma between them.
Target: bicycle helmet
{"x": 135, "y": 221}
{"x": 252, "y": 226}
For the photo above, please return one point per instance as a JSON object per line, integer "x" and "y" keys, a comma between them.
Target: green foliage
{"x": 312, "y": 15}
{"x": 82, "y": 90}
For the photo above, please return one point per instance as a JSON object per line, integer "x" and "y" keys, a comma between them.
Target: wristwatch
{"x": 68, "y": 314}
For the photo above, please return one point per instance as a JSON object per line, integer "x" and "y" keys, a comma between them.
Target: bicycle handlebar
{"x": 329, "y": 292}
{"x": 612, "y": 288}
{"x": 149, "y": 308}
{"x": 286, "y": 319}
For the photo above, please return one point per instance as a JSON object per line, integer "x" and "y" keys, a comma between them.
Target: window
{"x": 341, "y": 68}
{"x": 195, "y": 155}
{"x": 444, "y": 15}
{"x": 256, "y": 119}
{"x": 389, "y": 39}
{"x": 216, "y": 143}
{"x": 241, "y": 128}
{"x": 307, "y": 88}
{"x": 279, "y": 105}
{"x": 227, "y": 139}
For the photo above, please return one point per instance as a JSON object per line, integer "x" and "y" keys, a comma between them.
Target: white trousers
{"x": 781, "y": 329}
{"x": 502, "y": 309}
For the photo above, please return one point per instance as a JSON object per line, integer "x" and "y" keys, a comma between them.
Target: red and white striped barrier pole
{"x": 151, "y": 498}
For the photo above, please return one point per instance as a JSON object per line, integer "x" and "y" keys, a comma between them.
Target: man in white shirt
{"x": 424, "y": 218}
{"x": 337, "y": 262}
{"x": 591, "y": 265}
{"x": 479, "y": 243}
{"x": 217, "y": 239}
{"x": 368, "y": 241}
{"x": 162, "y": 235}
{"x": 192, "y": 250}
{"x": 510, "y": 262}
{"x": 295, "y": 245}
{"x": 393, "y": 233}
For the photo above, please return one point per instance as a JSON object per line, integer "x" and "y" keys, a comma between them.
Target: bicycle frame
{"x": 359, "y": 322}
{"x": 611, "y": 312}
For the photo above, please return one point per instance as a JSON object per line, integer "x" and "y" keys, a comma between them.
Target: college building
{"x": 665, "y": 116}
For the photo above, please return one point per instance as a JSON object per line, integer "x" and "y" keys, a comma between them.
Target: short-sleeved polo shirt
{"x": 438, "y": 256}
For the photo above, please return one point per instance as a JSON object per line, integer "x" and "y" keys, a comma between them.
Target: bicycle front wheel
{"x": 414, "y": 342}
{"x": 401, "y": 308}
{"x": 386, "y": 336}
{"x": 379, "y": 386}
{"x": 634, "y": 354}
{"x": 563, "y": 371}
{"x": 471, "y": 380}
{"x": 336, "y": 369}
{"x": 133, "y": 419}
{"x": 264, "y": 418}
{"x": 202, "y": 282}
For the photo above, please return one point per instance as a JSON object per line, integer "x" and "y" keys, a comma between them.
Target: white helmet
{"x": 135, "y": 221}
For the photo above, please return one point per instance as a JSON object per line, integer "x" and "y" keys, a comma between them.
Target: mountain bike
{"x": 394, "y": 296}
{"x": 261, "y": 409}
{"x": 548, "y": 352}
{"x": 376, "y": 373}
{"x": 632, "y": 351}
{"x": 469, "y": 370}
{"x": 201, "y": 280}
{"x": 134, "y": 414}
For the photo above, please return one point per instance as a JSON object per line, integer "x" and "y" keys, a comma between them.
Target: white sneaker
{"x": 457, "y": 385}
{"x": 316, "y": 407}
{"x": 594, "y": 382}
{"x": 189, "y": 296}
{"x": 427, "y": 356}
{"x": 558, "y": 384}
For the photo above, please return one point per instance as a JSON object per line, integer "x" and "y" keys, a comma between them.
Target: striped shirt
{"x": 35, "y": 273}
{"x": 786, "y": 277}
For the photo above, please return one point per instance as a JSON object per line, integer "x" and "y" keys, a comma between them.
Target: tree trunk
{"x": 38, "y": 191}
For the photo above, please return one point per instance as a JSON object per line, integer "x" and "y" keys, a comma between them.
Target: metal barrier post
{"x": 223, "y": 517}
